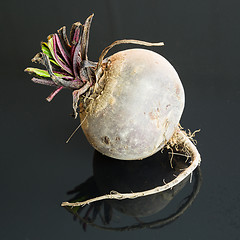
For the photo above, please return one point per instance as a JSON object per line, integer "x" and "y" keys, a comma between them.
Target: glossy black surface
{"x": 37, "y": 167}
{"x": 152, "y": 211}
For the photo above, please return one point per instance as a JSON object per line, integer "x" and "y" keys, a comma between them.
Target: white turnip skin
{"x": 139, "y": 107}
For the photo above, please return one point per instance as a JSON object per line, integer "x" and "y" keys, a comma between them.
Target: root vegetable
{"x": 139, "y": 107}
{"x": 130, "y": 103}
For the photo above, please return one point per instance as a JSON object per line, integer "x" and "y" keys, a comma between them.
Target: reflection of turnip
{"x": 134, "y": 176}
{"x": 128, "y": 176}
{"x": 130, "y": 103}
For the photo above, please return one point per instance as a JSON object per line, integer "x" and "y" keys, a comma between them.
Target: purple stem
{"x": 75, "y": 84}
{"x": 56, "y": 57}
{"x": 83, "y": 75}
{"x": 63, "y": 53}
{"x": 85, "y": 37}
{"x": 75, "y": 40}
{"x": 76, "y": 56}
{"x": 64, "y": 76}
{"x": 53, "y": 94}
{"x": 63, "y": 35}
{"x": 44, "y": 82}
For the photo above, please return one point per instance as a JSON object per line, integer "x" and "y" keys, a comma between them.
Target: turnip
{"x": 130, "y": 103}
{"x": 139, "y": 107}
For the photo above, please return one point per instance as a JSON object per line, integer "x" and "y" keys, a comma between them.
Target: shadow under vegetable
{"x": 133, "y": 176}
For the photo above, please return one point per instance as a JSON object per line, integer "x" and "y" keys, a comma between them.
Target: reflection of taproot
{"x": 160, "y": 222}
{"x": 185, "y": 144}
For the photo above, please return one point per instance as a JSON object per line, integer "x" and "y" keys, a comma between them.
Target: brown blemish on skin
{"x": 154, "y": 115}
{"x": 177, "y": 90}
{"x": 106, "y": 140}
{"x": 166, "y": 123}
{"x": 118, "y": 139}
{"x": 112, "y": 100}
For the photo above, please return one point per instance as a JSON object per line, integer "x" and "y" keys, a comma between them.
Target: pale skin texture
{"x": 138, "y": 109}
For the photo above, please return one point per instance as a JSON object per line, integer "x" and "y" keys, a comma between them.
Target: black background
{"x": 37, "y": 167}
